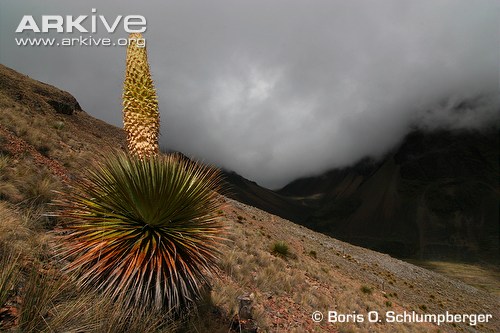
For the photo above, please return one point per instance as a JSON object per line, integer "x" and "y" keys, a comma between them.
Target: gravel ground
{"x": 417, "y": 289}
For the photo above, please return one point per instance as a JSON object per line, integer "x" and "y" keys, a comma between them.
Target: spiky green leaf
{"x": 144, "y": 230}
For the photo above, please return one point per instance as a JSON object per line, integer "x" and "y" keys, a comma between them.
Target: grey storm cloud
{"x": 276, "y": 90}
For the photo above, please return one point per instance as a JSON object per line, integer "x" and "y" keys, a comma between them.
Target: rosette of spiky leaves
{"x": 144, "y": 230}
{"x": 141, "y": 119}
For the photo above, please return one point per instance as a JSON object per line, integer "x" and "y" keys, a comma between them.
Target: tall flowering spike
{"x": 141, "y": 118}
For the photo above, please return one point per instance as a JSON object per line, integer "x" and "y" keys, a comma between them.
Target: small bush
{"x": 366, "y": 290}
{"x": 59, "y": 125}
{"x": 313, "y": 254}
{"x": 43, "y": 149}
{"x": 280, "y": 249}
{"x": 39, "y": 189}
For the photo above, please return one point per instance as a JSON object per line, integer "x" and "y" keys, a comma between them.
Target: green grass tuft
{"x": 366, "y": 290}
{"x": 281, "y": 249}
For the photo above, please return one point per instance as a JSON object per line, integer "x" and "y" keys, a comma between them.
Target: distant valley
{"x": 435, "y": 196}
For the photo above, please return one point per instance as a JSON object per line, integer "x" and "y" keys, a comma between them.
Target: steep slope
{"x": 52, "y": 122}
{"x": 317, "y": 273}
{"x": 250, "y": 193}
{"x": 436, "y": 195}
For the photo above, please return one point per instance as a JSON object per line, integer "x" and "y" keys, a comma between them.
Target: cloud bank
{"x": 277, "y": 90}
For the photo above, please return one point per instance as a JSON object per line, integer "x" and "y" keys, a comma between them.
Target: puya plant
{"x": 141, "y": 119}
{"x": 142, "y": 227}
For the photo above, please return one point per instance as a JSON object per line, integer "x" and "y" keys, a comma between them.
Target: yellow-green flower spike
{"x": 141, "y": 119}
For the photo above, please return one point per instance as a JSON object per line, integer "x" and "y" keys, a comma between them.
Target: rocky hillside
{"x": 434, "y": 196}
{"x": 286, "y": 269}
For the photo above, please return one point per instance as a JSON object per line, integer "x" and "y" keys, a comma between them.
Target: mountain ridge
{"x": 439, "y": 178}
{"x": 449, "y": 178}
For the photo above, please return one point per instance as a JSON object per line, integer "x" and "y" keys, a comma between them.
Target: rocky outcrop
{"x": 37, "y": 96}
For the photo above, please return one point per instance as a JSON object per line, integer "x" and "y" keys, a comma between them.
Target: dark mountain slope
{"x": 435, "y": 195}
{"x": 249, "y": 192}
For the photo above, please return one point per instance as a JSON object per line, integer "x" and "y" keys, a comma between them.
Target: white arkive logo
{"x": 82, "y": 23}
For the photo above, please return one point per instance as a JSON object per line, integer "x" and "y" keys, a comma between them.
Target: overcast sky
{"x": 280, "y": 89}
